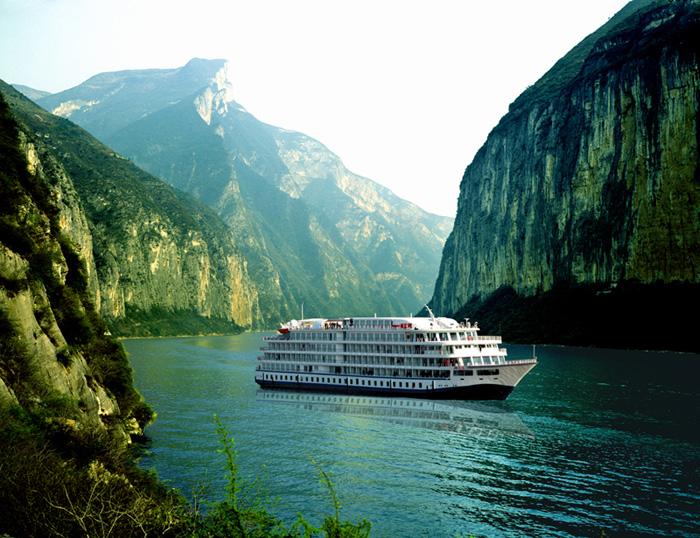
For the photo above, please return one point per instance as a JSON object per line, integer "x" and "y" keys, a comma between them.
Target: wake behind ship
{"x": 418, "y": 357}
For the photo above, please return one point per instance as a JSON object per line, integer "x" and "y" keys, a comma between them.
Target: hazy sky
{"x": 405, "y": 92}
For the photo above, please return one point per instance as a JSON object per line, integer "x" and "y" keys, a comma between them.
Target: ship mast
{"x": 432, "y": 316}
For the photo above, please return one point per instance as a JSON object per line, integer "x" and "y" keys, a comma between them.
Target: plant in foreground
{"x": 238, "y": 517}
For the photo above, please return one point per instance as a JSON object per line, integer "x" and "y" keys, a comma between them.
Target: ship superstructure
{"x": 427, "y": 357}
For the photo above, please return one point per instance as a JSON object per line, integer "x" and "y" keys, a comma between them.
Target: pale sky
{"x": 405, "y": 92}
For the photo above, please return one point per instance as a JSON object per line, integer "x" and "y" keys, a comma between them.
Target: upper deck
{"x": 378, "y": 324}
{"x": 415, "y": 331}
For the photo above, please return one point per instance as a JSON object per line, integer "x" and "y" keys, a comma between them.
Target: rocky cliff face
{"x": 162, "y": 264}
{"x": 592, "y": 178}
{"x": 310, "y": 230}
{"x": 68, "y": 407}
{"x": 54, "y": 354}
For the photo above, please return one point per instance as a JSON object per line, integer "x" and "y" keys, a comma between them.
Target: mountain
{"x": 68, "y": 407}
{"x": 55, "y": 356}
{"x": 312, "y": 231}
{"x": 30, "y": 93}
{"x": 578, "y": 219}
{"x": 157, "y": 261}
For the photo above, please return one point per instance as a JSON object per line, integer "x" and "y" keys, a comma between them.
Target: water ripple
{"x": 592, "y": 440}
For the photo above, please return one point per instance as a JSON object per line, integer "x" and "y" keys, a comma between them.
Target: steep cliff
{"x": 165, "y": 264}
{"x": 68, "y": 407}
{"x": 590, "y": 183}
{"x": 311, "y": 230}
{"x": 54, "y": 351}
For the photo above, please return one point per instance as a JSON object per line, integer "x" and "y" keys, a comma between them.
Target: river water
{"x": 591, "y": 440}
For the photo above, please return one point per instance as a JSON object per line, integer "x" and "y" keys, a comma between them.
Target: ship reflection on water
{"x": 484, "y": 420}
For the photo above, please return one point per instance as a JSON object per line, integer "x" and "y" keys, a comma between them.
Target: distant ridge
{"x": 31, "y": 93}
{"x": 160, "y": 263}
{"x": 311, "y": 230}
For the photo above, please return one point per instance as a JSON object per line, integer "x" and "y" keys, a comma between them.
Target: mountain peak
{"x": 218, "y": 93}
{"x": 138, "y": 93}
{"x": 203, "y": 70}
{"x": 205, "y": 63}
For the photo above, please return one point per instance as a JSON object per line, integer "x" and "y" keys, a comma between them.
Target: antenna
{"x": 432, "y": 316}
{"x": 302, "y": 310}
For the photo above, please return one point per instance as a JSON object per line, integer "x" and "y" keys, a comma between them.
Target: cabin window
{"x": 493, "y": 371}
{"x": 413, "y": 386}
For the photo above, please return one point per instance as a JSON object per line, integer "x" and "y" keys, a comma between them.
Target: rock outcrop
{"x": 591, "y": 180}
{"x": 68, "y": 406}
{"x": 162, "y": 263}
{"x": 55, "y": 355}
{"x": 311, "y": 231}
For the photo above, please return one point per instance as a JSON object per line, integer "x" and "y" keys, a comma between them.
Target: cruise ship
{"x": 423, "y": 357}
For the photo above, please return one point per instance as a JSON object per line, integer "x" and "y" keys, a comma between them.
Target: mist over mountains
{"x": 311, "y": 231}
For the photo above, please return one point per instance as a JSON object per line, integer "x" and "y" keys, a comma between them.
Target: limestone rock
{"x": 309, "y": 229}
{"x": 156, "y": 261}
{"x": 592, "y": 177}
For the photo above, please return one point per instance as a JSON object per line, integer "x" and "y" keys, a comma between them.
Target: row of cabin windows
{"x": 403, "y": 372}
{"x": 315, "y": 352}
{"x": 340, "y": 381}
{"x": 294, "y": 361}
{"x": 381, "y": 336}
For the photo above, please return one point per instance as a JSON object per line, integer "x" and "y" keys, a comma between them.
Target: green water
{"x": 591, "y": 440}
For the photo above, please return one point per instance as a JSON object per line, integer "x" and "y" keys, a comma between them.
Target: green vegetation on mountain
{"x": 156, "y": 250}
{"x": 68, "y": 407}
{"x": 586, "y": 195}
{"x": 311, "y": 231}
{"x": 66, "y": 392}
{"x": 30, "y": 93}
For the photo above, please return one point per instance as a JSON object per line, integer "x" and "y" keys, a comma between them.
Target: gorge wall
{"x": 584, "y": 201}
{"x": 68, "y": 407}
{"x": 310, "y": 230}
{"x": 55, "y": 356}
{"x": 163, "y": 263}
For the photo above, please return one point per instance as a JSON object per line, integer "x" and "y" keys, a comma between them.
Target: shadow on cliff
{"x": 652, "y": 316}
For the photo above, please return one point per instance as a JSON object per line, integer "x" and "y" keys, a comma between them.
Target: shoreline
{"x": 121, "y": 338}
{"x": 506, "y": 344}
